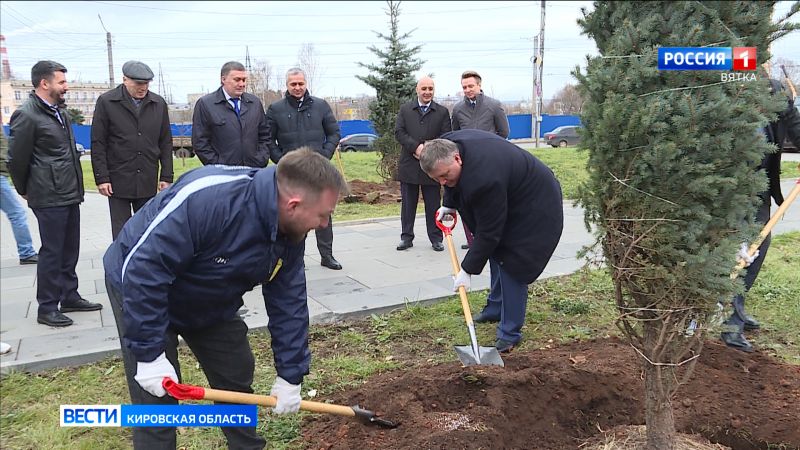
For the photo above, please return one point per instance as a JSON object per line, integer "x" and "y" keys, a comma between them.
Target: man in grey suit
{"x": 478, "y": 111}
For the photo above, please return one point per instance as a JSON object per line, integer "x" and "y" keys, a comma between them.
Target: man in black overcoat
{"x": 512, "y": 202}
{"x": 419, "y": 120}
{"x": 131, "y": 138}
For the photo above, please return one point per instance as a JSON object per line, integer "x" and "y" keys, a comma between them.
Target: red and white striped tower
{"x": 4, "y": 58}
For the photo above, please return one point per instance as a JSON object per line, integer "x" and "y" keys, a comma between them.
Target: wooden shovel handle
{"x": 268, "y": 400}
{"x": 768, "y": 227}
{"x": 457, "y": 268}
{"x": 339, "y": 160}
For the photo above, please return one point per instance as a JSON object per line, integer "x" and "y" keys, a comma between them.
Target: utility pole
{"x": 110, "y": 55}
{"x": 541, "y": 76}
{"x": 162, "y": 87}
{"x": 247, "y": 65}
{"x": 534, "y": 97}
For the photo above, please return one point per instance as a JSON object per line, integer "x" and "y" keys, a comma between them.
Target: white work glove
{"x": 462, "y": 279}
{"x": 745, "y": 256}
{"x": 150, "y": 374}
{"x": 444, "y": 211}
{"x": 288, "y": 396}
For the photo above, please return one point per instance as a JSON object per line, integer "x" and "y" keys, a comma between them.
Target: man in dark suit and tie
{"x": 419, "y": 120}
{"x": 229, "y": 126}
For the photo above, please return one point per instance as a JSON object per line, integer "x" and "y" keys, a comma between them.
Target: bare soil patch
{"x": 558, "y": 398}
{"x": 373, "y": 193}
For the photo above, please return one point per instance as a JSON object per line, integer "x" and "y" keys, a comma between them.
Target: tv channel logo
{"x": 707, "y": 58}
{"x": 90, "y": 415}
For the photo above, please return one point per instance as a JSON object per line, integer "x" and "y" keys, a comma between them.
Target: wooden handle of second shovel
{"x": 457, "y": 268}
{"x": 268, "y": 400}
{"x": 768, "y": 227}
{"x": 339, "y": 160}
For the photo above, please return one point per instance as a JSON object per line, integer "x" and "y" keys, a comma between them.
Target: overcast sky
{"x": 191, "y": 40}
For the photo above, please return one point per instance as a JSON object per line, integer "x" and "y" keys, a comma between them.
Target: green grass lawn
{"x": 563, "y": 309}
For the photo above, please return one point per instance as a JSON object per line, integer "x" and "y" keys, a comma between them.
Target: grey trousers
{"x": 226, "y": 359}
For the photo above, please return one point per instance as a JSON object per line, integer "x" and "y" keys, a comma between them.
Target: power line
{"x": 306, "y": 14}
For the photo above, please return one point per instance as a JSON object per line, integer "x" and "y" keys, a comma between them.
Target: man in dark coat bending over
{"x": 512, "y": 203}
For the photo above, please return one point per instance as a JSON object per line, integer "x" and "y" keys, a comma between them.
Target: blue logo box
{"x": 695, "y": 58}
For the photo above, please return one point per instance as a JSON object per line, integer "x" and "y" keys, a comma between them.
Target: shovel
{"x": 474, "y": 354}
{"x": 190, "y": 392}
{"x": 349, "y": 198}
{"x": 718, "y": 317}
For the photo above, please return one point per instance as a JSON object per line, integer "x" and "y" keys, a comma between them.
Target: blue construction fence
{"x": 520, "y": 127}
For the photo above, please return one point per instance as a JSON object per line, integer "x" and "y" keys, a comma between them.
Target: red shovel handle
{"x": 447, "y": 230}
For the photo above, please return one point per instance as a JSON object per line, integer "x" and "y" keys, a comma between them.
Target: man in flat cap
{"x": 130, "y": 137}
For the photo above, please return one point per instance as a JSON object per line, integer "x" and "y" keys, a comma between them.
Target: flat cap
{"x": 137, "y": 71}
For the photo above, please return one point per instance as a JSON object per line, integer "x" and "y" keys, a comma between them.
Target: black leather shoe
{"x": 751, "y": 324}
{"x": 331, "y": 263}
{"x": 484, "y": 317}
{"x": 437, "y": 247}
{"x": 737, "y": 341}
{"x": 54, "y": 319}
{"x": 504, "y": 346}
{"x": 29, "y": 260}
{"x": 80, "y": 305}
{"x": 404, "y": 245}
{"x": 464, "y": 246}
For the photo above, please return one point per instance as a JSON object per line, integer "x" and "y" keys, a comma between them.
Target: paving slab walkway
{"x": 376, "y": 278}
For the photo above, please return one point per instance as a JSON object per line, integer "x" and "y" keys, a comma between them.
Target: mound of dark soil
{"x": 374, "y": 193}
{"x": 557, "y": 398}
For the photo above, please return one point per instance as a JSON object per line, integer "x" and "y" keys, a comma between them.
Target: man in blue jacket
{"x": 182, "y": 263}
{"x": 513, "y": 203}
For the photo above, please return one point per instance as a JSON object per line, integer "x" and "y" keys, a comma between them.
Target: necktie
{"x": 236, "y": 107}
{"x": 58, "y": 116}
{"x": 424, "y": 109}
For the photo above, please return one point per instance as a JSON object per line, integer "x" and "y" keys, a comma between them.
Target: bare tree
{"x": 566, "y": 101}
{"x": 307, "y": 59}
{"x": 260, "y": 82}
{"x": 792, "y": 70}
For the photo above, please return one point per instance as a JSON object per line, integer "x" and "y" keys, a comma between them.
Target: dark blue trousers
{"x": 508, "y": 299}
{"x": 60, "y": 232}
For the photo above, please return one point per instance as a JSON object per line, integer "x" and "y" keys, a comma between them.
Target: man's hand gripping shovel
{"x": 474, "y": 354}
{"x": 190, "y": 392}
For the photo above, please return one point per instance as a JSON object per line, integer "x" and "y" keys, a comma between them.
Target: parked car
{"x": 564, "y": 136}
{"x": 359, "y": 142}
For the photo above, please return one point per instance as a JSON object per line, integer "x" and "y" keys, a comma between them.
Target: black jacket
{"x": 44, "y": 162}
{"x": 787, "y": 124}
{"x": 510, "y": 200}
{"x": 414, "y": 128}
{"x": 219, "y": 138}
{"x": 127, "y": 145}
{"x": 312, "y": 124}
